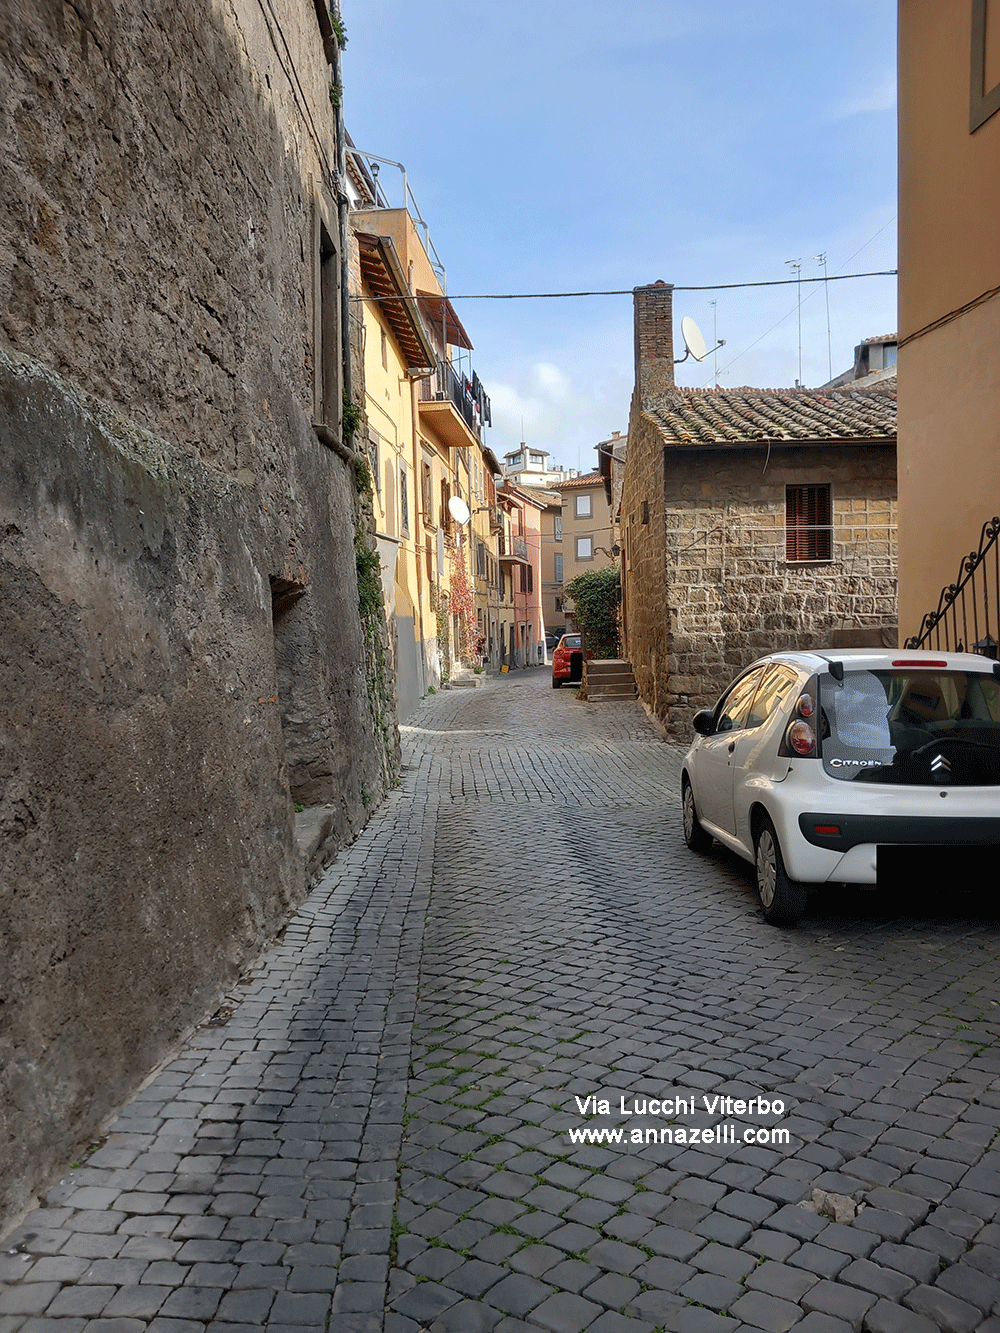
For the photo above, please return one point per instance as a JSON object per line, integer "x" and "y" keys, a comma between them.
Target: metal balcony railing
{"x": 515, "y": 546}
{"x": 447, "y": 386}
{"x": 967, "y": 618}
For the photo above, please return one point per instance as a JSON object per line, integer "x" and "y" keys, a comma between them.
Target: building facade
{"x": 949, "y": 298}
{"x": 426, "y": 413}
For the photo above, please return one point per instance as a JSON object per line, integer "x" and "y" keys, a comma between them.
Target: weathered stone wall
{"x": 645, "y": 608}
{"x": 163, "y": 190}
{"x": 730, "y": 595}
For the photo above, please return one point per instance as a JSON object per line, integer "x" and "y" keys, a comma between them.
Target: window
{"x": 771, "y": 694}
{"x": 445, "y": 519}
{"x": 480, "y": 560}
{"x": 558, "y": 527}
{"x": 404, "y": 503}
{"x": 584, "y": 548}
{"x": 731, "y": 712}
{"x": 425, "y": 492}
{"x": 329, "y": 400}
{"x": 538, "y": 458}
{"x": 531, "y": 578}
{"x": 808, "y": 529}
{"x": 385, "y": 350}
{"x": 373, "y": 459}
{"x": 583, "y": 506}
{"x": 559, "y": 571}
{"x": 984, "y": 91}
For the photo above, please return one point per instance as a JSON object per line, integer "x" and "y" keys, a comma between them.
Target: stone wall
{"x": 181, "y": 647}
{"x": 645, "y": 608}
{"x": 730, "y": 595}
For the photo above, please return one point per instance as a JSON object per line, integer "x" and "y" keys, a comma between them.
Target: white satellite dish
{"x": 459, "y": 510}
{"x": 693, "y": 340}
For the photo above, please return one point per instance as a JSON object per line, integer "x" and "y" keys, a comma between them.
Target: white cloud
{"x": 879, "y": 97}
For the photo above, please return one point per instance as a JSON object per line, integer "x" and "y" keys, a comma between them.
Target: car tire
{"x": 694, "y": 835}
{"x": 783, "y": 900}
{"x": 556, "y": 682}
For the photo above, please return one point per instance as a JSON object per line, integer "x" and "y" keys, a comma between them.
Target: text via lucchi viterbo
{"x": 734, "y": 1120}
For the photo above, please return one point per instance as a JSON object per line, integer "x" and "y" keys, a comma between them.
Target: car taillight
{"x": 805, "y": 706}
{"x": 801, "y": 738}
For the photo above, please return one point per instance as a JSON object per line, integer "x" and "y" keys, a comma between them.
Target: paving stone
{"x": 724, "y": 1261}
{"x": 718, "y": 1293}
{"x": 968, "y": 1284}
{"x": 777, "y": 1279}
{"x": 672, "y": 1243}
{"x": 615, "y": 1257}
{"x": 839, "y": 1300}
{"x": 572, "y": 1275}
{"x": 766, "y": 1312}
{"x": 771, "y": 1245}
{"x": 691, "y": 1319}
{"x": 565, "y": 1312}
{"x": 613, "y": 1322}
{"x": 819, "y": 1260}
{"x": 612, "y": 1290}
{"x": 876, "y": 1279}
{"x": 519, "y": 1294}
{"x": 465, "y": 1317}
{"x": 921, "y": 1265}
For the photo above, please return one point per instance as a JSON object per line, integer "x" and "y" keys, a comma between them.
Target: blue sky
{"x": 570, "y": 145}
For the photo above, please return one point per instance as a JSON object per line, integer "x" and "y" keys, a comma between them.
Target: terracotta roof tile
{"x": 588, "y": 479}
{"x": 746, "y": 416}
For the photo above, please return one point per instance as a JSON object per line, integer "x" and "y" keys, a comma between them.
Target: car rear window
{"x": 570, "y": 641}
{"x": 914, "y": 727}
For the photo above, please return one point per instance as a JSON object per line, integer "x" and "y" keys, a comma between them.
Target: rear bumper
{"x": 855, "y": 830}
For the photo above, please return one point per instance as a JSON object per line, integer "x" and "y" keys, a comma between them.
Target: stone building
{"x": 186, "y": 655}
{"x": 751, "y": 520}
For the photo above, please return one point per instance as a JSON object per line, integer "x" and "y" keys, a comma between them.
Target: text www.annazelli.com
{"x": 717, "y": 1134}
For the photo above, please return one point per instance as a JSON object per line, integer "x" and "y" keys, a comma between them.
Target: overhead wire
{"x": 630, "y": 291}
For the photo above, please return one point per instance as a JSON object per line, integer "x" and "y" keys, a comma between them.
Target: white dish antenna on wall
{"x": 694, "y": 343}
{"x": 693, "y": 340}
{"x": 459, "y": 510}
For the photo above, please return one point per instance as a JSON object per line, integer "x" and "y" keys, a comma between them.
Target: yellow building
{"x": 949, "y": 307}
{"x": 426, "y": 411}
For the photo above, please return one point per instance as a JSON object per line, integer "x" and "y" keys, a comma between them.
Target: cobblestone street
{"x": 373, "y": 1134}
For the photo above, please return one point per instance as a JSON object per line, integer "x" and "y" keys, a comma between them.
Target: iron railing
{"x": 447, "y": 386}
{"x": 968, "y": 611}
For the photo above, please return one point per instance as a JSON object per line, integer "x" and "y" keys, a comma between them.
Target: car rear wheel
{"x": 782, "y": 899}
{"x": 694, "y": 835}
{"x": 556, "y": 682}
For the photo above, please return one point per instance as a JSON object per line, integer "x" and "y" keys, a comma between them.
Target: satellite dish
{"x": 693, "y": 340}
{"x": 459, "y": 510}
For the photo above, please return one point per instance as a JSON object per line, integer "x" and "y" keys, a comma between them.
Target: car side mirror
{"x": 703, "y": 721}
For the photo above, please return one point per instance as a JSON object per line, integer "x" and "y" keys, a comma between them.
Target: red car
{"x": 567, "y": 660}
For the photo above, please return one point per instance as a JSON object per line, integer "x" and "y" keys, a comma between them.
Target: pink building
{"x": 521, "y": 562}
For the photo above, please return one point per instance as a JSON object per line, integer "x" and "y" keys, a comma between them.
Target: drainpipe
{"x": 343, "y": 206}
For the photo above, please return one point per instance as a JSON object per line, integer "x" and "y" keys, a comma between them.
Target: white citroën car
{"x": 828, "y": 766}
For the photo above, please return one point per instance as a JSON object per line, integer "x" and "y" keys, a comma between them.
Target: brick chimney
{"x": 654, "y": 339}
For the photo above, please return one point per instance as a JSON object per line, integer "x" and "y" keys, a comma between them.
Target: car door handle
{"x": 732, "y": 746}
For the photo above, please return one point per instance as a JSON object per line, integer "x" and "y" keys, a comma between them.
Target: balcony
{"x": 447, "y": 402}
{"x": 513, "y": 550}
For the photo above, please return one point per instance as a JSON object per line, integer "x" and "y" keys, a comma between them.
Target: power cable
{"x": 630, "y": 291}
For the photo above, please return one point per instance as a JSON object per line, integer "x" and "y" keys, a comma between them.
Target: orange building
{"x": 949, "y": 308}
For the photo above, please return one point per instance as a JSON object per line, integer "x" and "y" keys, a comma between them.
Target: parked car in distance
{"x": 567, "y": 660}
{"x": 831, "y": 767}
{"x": 552, "y": 637}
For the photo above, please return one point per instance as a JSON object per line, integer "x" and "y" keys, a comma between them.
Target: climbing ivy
{"x": 597, "y": 596}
